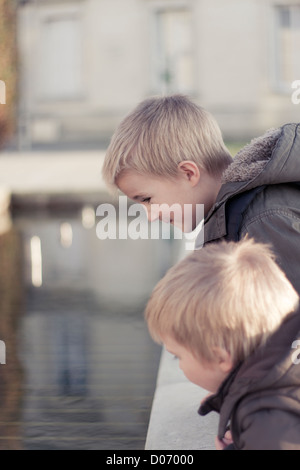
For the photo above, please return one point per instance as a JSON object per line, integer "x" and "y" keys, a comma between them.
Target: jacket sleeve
{"x": 270, "y": 429}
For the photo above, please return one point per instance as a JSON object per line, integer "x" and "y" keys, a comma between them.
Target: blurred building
{"x": 86, "y": 63}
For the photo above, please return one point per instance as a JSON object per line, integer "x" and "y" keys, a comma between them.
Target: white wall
{"x": 117, "y": 54}
{"x": 234, "y": 54}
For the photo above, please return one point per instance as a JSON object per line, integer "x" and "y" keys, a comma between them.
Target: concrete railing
{"x": 174, "y": 422}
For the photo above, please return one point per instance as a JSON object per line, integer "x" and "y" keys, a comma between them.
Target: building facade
{"x": 85, "y": 63}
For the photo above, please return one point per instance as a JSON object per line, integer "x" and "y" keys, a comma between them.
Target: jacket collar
{"x": 215, "y": 402}
{"x": 267, "y": 365}
{"x": 243, "y": 174}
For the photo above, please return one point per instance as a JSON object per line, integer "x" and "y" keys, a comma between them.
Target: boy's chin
{"x": 186, "y": 230}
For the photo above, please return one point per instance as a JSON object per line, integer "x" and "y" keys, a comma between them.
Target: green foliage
{"x": 8, "y": 67}
{"x": 235, "y": 147}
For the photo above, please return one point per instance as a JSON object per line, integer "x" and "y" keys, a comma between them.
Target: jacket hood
{"x": 270, "y": 370}
{"x": 250, "y": 161}
{"x": 271, "y": 159}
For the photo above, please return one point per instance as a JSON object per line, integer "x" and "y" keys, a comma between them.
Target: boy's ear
{"x": 190, "y": 171}
{"x": 223, "y": 359}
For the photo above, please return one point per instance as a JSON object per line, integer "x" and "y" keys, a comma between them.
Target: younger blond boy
{"x": 230, "y": 316}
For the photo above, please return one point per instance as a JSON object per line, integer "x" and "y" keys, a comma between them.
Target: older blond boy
{"x": 169, "y": 150}
{"x": 229, "y": 314}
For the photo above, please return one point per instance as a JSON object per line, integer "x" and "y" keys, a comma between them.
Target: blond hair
{"x": 227, "y": 295}
{"x": 160, "y": 133}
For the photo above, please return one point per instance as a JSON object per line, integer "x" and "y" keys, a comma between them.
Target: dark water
{"x": 85, "y": 372}
{"x": 89, "y": 378}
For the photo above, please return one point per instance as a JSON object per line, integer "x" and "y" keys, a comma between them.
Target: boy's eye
{"x": 146, "y": 200}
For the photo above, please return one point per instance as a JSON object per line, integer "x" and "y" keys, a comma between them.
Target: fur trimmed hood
{"x": 252, "y": 159}
{"x": 273, "y": 158}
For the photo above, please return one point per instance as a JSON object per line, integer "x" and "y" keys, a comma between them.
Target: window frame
{"x": 278, "y": 83}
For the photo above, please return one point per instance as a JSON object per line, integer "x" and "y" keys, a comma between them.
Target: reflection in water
{"x": 88, "y": 217}
{"x": 90, "y": 376}
{"x": 36, "y": 262}
{"x": 71, "y": 373}
{"x": 89, "y": 366}
{"x": 66, "y": 235}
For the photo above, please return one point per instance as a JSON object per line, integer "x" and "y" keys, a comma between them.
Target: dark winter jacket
{"x": 272, "y": 162}
{"x": 261, "y": 397}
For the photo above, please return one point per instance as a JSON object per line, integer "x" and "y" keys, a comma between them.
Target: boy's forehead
{"x": 137, "y": 185}
{"x": 172, "y": 345}
{"x": 134, "y": 176}
{"x": 131, "y": 183}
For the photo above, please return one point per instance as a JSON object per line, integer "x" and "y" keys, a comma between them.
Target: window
{"x": 287, "y": 46}
{"x": 60, "y": 59}
{"x": 173, "y": 53}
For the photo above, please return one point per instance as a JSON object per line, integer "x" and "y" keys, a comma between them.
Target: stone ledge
{"x": 57, "y": 172}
